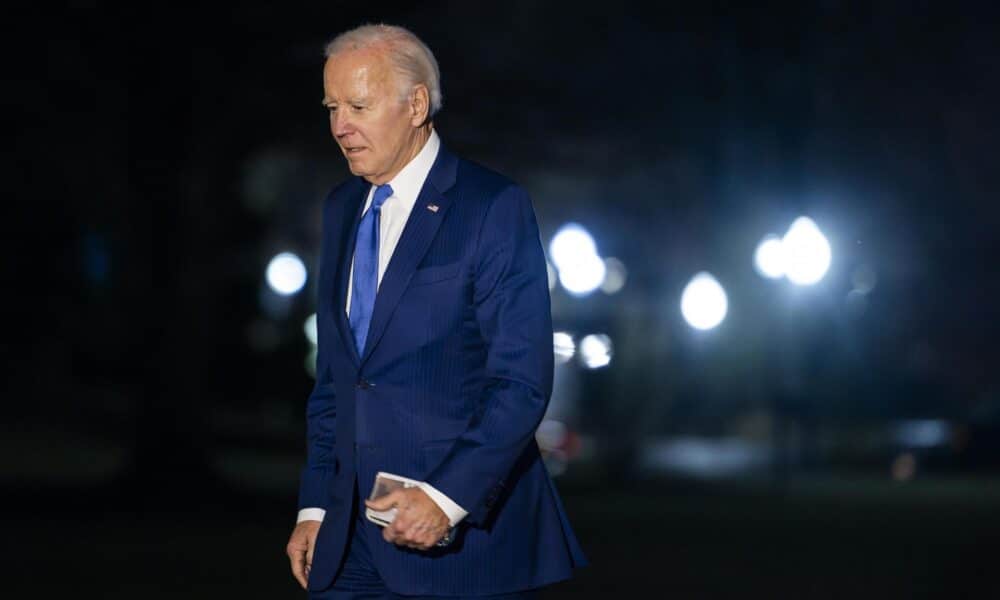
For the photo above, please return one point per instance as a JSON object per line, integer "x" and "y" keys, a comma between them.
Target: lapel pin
{"x": 432, "y": 207}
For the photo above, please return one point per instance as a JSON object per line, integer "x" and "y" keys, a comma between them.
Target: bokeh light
{"x": 615, "y": 275}
{"x": 583, "y": 276}
{"x": 551, "y": 274}
{"x": 769, "y": 258}
{"x": 904, "y": 467}
{"x": 704, "y": 303}
{"x": 806, "y": 252}
{"x": 551, "y": 434}
{"x": 570, "y": 243}
{"x": 309, "y": 328}
{"x": 563, "y": 346}
{"x": 595, "y": 351}
{"x": 286, "y": 274}
{"x": 574, "y": 253}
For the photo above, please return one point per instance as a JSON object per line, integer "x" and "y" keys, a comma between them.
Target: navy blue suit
{"x": 455, "y": 376}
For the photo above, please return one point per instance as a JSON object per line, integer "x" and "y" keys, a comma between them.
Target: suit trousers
{"x": 359, "y": 579}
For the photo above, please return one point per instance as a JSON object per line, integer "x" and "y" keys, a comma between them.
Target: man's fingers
{"x": 424, "y": 533}
{"x": 388, "y": 533}
{"x": 298, "y": 558}
{"x": 385, "y": 502}
{"x": 300, "y": 550}
{"x": 411, "y": 534}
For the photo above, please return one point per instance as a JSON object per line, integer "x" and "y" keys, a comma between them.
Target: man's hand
{"x": 419, "y": 521}
{"x": 300, "y": 549}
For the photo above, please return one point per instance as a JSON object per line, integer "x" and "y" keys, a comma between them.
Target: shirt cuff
{"x": 310, "y": 514}
{"x": 454, "y": 512}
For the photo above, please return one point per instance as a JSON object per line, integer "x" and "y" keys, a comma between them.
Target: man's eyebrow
{"x": 358, "y": 101}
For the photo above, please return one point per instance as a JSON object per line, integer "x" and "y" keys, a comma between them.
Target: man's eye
{"x": 357, "y": 107}
{"x": 332, "y": 109}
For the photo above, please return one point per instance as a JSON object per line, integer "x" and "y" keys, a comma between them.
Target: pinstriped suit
{"x": 454, "y": 378}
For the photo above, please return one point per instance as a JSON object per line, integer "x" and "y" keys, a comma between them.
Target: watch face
{"x": 448, "y": 537}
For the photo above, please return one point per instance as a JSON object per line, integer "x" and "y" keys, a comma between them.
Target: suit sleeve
{"x": 511, "y": 297}
{"x": 321, "y": 414}
{"x": 314, "y": 482}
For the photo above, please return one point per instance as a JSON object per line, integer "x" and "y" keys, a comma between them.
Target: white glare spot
{"x": 769, "y": 258}
{"x": 309, "y": 327}
{"x": 595, "y": 351}
{"x": 703, "y": 303}
{"x": 574, "y": 254}
{"x": 615, "y": 275}
{"x": 569, "y": 244}
{"x": 286, "y": 274}
{"x": 563, "y": 347}
{"x": 583, "y": 276}
{"x": 806, "y": 252}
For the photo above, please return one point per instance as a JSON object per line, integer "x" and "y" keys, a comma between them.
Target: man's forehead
{"x": 372, "y": 61}
{"x": 354, "y": 70}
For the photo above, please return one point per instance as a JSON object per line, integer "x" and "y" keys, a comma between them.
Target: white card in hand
{"x": 384, "y": 484}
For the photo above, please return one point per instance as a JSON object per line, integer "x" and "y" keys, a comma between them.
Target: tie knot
{"x": 382, "y": 194}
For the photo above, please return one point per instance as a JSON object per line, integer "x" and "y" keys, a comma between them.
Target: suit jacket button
{"x": 364, "y": 385}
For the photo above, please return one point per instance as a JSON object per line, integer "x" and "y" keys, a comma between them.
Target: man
{"x": 435, "y": 355}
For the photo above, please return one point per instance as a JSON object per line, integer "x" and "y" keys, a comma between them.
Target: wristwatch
{"x": 447, "y": 539}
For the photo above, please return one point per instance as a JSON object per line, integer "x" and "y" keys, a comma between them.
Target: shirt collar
{"x": 407, "y": 183}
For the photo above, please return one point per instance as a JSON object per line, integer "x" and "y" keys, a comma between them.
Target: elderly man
{"x": 435, "y": 355}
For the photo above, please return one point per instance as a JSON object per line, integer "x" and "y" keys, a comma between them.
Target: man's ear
{"x": 420, "y": 105}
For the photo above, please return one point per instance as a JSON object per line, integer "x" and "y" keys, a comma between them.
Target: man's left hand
{"x": 419, "y": 521}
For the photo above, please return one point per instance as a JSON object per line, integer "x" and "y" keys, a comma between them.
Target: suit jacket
{"x": 454, "y": 379}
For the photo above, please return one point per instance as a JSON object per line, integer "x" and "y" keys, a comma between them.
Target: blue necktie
{"x": 365, "y": 281}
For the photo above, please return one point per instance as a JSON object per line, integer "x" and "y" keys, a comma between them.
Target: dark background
{"x": 155, "y": 388}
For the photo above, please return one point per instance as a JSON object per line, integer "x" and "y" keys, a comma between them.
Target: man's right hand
{"x": 300, "y": 549}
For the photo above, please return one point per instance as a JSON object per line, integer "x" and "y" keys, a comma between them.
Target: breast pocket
{"x": 435, "y": 274}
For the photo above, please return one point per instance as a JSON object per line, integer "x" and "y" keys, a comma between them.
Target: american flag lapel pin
{"x": 432, "y": 207}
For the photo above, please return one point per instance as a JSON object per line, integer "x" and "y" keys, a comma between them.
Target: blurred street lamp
{"x": 704, "y": 303}
{"x": 286, "y": 274}
{"x": 595, "y": 351}
{"x": 769, "y": 258}
{"x": 806, "y": 252}
{"x": 563, "y": 347}
{"x": 574, "y": 253}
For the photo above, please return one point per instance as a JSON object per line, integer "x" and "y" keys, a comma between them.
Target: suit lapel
{"x": 349, "y": 220}
{"x": 421, "y": 227}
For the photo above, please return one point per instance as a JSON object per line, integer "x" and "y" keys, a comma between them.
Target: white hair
{"x": 409, "y": 56}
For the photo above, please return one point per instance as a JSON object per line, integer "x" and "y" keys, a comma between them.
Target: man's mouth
{"x": 350, "y": 150}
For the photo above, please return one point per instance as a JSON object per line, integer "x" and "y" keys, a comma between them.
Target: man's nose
{"x": 341, "y": 125}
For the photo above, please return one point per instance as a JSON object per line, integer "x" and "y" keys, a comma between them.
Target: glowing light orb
{"x": 704, "y": 303}
{"x": 286, "y": 274}
{"x": 806, "y": 252}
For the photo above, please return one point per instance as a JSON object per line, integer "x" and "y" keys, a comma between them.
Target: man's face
{"x": 371, "y": 120}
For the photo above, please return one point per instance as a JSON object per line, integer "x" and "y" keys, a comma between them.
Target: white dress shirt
{"x": 395, "y": 211}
